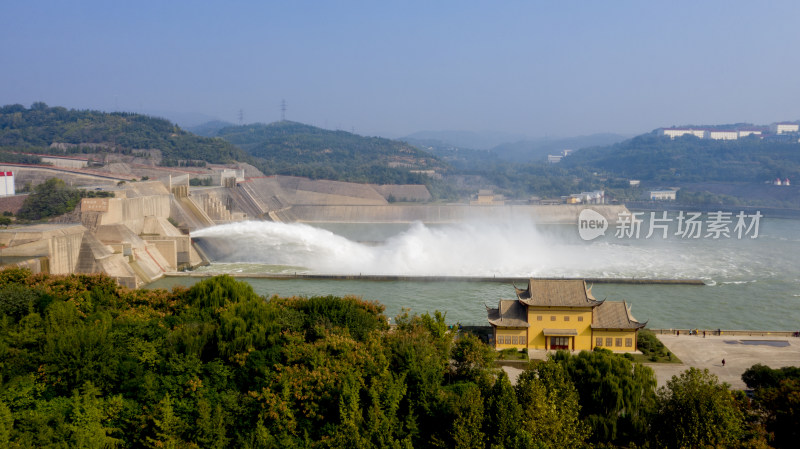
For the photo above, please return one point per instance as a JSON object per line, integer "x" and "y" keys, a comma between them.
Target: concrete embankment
{"x": 450, "y": 213}
{"x": 389, "y": 278}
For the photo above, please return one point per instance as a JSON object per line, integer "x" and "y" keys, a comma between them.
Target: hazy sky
{"x": 557, "y": 68}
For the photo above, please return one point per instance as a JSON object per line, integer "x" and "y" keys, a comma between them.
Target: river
{"x": 753, "y": 282}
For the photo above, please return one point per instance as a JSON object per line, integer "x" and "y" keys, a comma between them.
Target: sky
{"x": 392, "y": 68}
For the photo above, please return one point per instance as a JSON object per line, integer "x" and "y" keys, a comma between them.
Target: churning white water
{"x": 753, "y": 283}
{"x": 469, "y": 249}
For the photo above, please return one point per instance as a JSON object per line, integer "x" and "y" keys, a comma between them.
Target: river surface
{"x": 754, "y": 283}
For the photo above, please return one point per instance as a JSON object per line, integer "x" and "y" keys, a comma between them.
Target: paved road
{"x": 739, "y": 352}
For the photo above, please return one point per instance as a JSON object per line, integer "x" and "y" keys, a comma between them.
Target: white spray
{"x": 466, "y": 249}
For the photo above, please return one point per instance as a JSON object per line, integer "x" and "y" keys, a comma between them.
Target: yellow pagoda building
{"x": 556, "y": 314}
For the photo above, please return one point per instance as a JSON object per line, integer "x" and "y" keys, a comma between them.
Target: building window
{"x": 609, "y": 341}
{"x": 580, "y": 318}
{"x": 522, "y": 340}
{"x": 514, "y": 340}
{"x": 539, "y": 318}
{"x": 618, "y": 342}
{"x": 566, "y": 318}
{"x": 508, "y": 340}
{"x": 552, "y": 317}
{"x": 598, "y": 341}
{"x": 629, "y": 342}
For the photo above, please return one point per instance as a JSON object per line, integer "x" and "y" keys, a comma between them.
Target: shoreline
{"x": 391, "y": 278}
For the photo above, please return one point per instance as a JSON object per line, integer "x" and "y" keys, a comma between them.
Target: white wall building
{"x": 554, "y": 158}
{"x": 663, "y": 195}
{"x": 7, "y": 183}
{"x": 678, "y": 132}
{"x": 723, "y": 135}
{"x": 748, "y": 132}
{"x": 781, "y": 128}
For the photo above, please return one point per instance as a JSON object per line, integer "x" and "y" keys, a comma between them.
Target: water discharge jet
{"x": 518, "y": 248}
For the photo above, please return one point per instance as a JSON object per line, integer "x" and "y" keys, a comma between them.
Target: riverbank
{"x": 392, "y": 278}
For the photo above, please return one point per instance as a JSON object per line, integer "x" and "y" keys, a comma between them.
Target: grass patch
{"x": 653, "y": 351}
{"x": 512, "y": 354}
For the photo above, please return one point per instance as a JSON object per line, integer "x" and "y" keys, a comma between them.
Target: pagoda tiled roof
{"x": 614, "y": 315}
{"x": 509, "y": 313}
{"x": 557, "y": 293}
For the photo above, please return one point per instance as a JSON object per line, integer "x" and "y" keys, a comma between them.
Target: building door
{"x": 559, "y": 342}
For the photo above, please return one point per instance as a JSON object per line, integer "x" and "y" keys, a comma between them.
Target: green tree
{"x": 49, "y": 199}
{"x": 777, "y": 398}
{"x": 617, "y": 396}
{"x": 696, "y": 410}
{"x": 472, "y": 358}
{"x": 89, "y": 416}
{"x": 167, "y": 427}
{"x": 463, "y": 407}
{"x": 550, "y": 407}
{"x": 211, "y": 428}
{"x": 6, "y": 425}
{"x": 17, "y": 301}
{"x": 503, "y": 415}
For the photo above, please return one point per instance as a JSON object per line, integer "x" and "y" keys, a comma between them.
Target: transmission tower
{"x": 283, "y": 110}
{"x": 241, "y": 117}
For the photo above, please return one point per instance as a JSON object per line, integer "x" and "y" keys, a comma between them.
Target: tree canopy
{"x": 87, "y": 363}
{"x": 39, "y": 126}
{"x": 291, "y": 148}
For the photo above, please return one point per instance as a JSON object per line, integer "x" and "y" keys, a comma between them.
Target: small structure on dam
{"x": 556, "y": 314}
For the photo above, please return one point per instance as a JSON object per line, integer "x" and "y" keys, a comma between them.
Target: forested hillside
{"x": 651, "y": 157}
{"x": 86, "y": 363}
{"x": 302, "y": 150}
{"x": 34, "y": 129}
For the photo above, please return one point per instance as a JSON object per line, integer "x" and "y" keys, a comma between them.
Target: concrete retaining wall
{"x": 731, "y": 332}
{"x": 560, "y": 214}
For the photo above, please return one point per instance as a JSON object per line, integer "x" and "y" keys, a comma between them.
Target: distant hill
{"x": 477, "y": 140}
{"x": 690, "y": 159}
{"x": 36, "y": 128}
{"x": 209, "y": 129}
{"x": 537, "y": 150}
{"x": 302, "y": 150}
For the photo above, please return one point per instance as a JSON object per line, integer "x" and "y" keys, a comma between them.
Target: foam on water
{"x": 467, "y": 249}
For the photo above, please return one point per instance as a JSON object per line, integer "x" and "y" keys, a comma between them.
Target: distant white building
{"x": 7, "y": 183}
{"x": 782, "y": 128}
{"x": 749, "y": 132}
{"x": 566, "y": 153}
{"x": 678, "y": 132}
{"x": 634, "y": 182}
{"x": 723, "y": 135}
{"x": 663, "y": 195}
{"x": 554, "y": 158}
